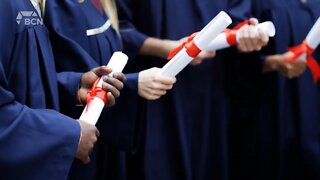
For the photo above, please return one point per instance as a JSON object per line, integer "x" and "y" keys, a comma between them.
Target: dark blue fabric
{"x": 36, "y": 143}
{"x": 186, "y": 129}
{"x": 287, "y": 135}
{"x": 68, "y": 22}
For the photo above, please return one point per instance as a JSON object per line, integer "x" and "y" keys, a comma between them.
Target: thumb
{"x": 102, "y": 70}
{"x": 254, "y": 21}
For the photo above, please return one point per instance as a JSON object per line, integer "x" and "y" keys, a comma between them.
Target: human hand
{"x": 152, "y": 86}
{"x": 252, "y": 38}
{"x": 289, "y": 69}
{"x": 112, "y": 85}
{"x": 89, "y": 136}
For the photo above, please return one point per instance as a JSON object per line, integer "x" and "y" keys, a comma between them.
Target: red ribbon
{"x": 191, "y": 48}
{"x": 231, "y": 34}
{"x": 96, "y": 92}
{"x": 311, "y": 62}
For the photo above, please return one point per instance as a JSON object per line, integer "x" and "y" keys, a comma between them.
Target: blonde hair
{"x": 111, "y": 10}
{"x": 43, "y": 6}
{"x": 41, "y": 3}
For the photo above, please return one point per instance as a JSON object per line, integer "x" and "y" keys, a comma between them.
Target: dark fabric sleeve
{"x": 36, "y": 143}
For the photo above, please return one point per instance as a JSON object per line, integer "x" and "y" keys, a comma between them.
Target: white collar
{"x": 35, "y": 2}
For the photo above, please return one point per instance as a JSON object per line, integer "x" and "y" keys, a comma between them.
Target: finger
{"x": 82, "y": 92}
{"x": 97, "y": 133}
{"x": 254, "y": 21}
{"x": 159, "y": 86}
{"x": 151, "y": 91}
{"x": 298, "y": 63}
{"x": 196, "y": 62}
{"x": 242, "y": 41}
{"x": 259, "y": 38}
{"x": 157, "y": 92}
{"x": 252, "y": 39}
{"x": 110, "y": 88}
{"x": 87, "y": 79}
{"x": 165, "y": 80}
{"x": 147, "y": 94}
{"x": 301, "y": 66}
{"x": 282, "y": 69}
{"x": 288, "y": 70}
{"x": 211, "y": 53}
{"x": 120, "y": 76}
{"x": 111, "y": 99}
{"x": 102, "y": 70}
{"x": 288, "y": 54}
{"x": 206, "y": 55}
{"x": 114, "y": 82}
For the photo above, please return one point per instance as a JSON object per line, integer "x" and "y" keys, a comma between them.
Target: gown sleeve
{"x": 34, "y": 142}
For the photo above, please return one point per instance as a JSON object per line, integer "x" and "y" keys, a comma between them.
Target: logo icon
{"x": 29, "y": 18}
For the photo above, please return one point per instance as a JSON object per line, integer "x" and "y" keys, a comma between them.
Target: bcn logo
{"x": 29, "y": 18}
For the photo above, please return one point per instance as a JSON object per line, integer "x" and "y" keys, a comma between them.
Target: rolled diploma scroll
{"x": 202, "y": 40}
{"x": 92, "y": 111}
{"x": 313, "y": 39}
{"x": 220, "y": 42}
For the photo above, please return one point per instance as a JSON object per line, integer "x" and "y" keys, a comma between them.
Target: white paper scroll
{"x": 202, "y": 40}
{"x": 93, "y": 110}
{"x": 313, "y": 38}
{"x": 220, "y": 42}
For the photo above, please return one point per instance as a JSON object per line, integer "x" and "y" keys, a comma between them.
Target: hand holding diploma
{"x": 248, "y": 35}
{"x": 184, "y": 54}
{"x": 88, "y": 137}
{"x": 152, "y": 86}
{"x": 104, "y": 90}
{"x": 278, "y": 63}
{"x": 203, "y": 55}
{"x": 303, "y": 52}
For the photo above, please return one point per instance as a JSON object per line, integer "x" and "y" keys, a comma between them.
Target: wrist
{"x": 271, "y": 64}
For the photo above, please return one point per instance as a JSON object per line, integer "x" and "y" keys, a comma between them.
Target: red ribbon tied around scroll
{"x": 96, "y": 92}
{"x": 191, "y": 48}
{"x": 231, "y": 34}
{"x": 298, "y": 51}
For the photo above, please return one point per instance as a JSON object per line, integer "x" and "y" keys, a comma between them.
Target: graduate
{"x": 186, "y": 129}
{"x": 36, "y": 141}
{"x": 85, "y": 35}
{"x": 286, "y": 129}
{"x": 298, "y": 98}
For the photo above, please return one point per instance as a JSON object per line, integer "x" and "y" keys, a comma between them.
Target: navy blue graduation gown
{"x": 186, "y": 129}
{"x": 288, "y": 125}
{"x": 68, "y": 22}
{"x": 36, "y": 142}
